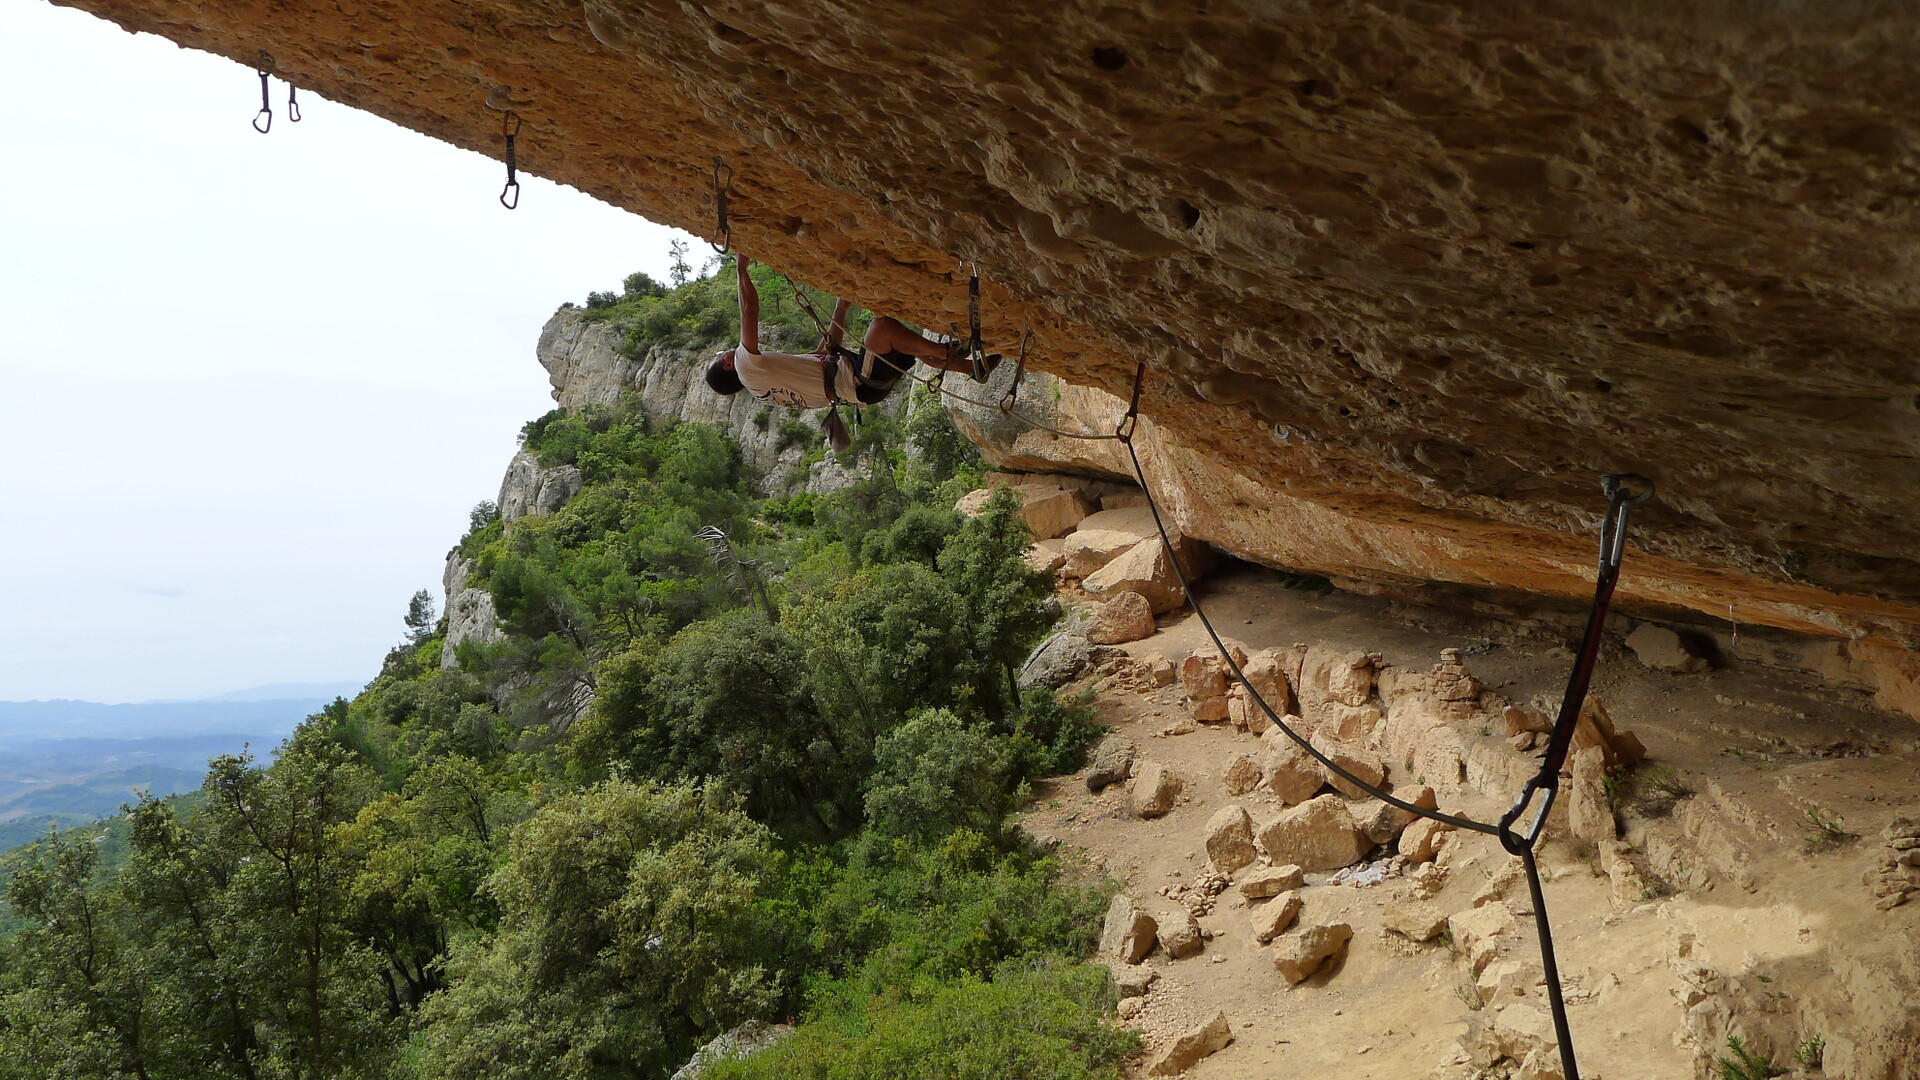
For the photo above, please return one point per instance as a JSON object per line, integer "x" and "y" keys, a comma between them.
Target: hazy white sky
{"x": 249, "y": 385}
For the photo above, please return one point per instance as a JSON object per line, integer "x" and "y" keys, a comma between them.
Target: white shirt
{"x": 792, "y": 382}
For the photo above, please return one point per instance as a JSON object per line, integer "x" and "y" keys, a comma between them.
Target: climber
{"x": 834, "y": 373}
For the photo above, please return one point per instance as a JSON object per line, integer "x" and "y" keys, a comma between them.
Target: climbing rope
{"x": 510, "y": 130}
{"x": 264, "y": 68}
{"x": 1623, "y": 492}
{"x": 721, "y": 188}
{"x": 1012, "y": 397}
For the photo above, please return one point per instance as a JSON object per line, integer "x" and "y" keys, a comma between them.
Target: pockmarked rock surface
{"x": 1400, "y": 281}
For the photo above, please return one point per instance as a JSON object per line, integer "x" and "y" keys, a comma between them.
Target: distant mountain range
{"x": 66, "y": 763}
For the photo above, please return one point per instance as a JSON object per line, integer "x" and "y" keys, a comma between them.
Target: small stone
{"x": 1524, "y": 741}
{"x": 1161, "y": 669}
{"x": 1203, "y": 676}
{"x": 1892, "y": 900}
{"x": 1189, "y": 1049}
{"x": 1298, "y": 956}
{"x": 1272, "y": 918}
{"x": 1477, "y": 932}
{"x": 1155, "y": 787}
{"x": 1628, "y": 750}
{"x": 1133, "y": 981}
{"x": 1271, "y": 881}
{"x": 1130, "y": 1007}
{"x": 1527, "y": 720}
{"x": 1416, "y": 919}
{"x": 1230, "y": 839}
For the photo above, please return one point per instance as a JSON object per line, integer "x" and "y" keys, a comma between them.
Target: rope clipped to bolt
{"x": 722, "y": 187}
{"x": 510, "y": 131}
{"x": 264, "y": 68}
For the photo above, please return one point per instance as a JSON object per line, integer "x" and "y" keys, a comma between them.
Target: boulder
{"x": 1589, "y": 811}
{"x": 1047, "y": 509}
{"x": 1479, "y": 932}
{"x": 1319, "y": 834}
{"x": 1086, "y": 551}
{"x": 1129, "y": 1007}
{"x": 1142, "y": 568}
{"x": 1271, "y": 881}
{"x": 1335, "y": 677}
{"x": 1126, "y": 617}
{"x": 1298, "y": 956}
{"x": 1268, "y": 677}
{"x": 1521, "y": 721}
{"x": 1230, "y": 839}
{"x": 1160, "y": 670}
{"x": 1189, "y": 1049}
{"x": 1662, "y": 650}
{"x": 1058, "y": 660}
{"x": 1112, "y": 762}
{"x": 1356, "y": 724}
{"x": 1203, "y": 676}
{"x": 1180, "y": 934}
{"x": 1420, "y": 841}
{"x": 1520, "y": 1030}
{"x": 1133, "y": 980}
{"x": 1212, "y": 710}
{"x": 1382, "y": 821}
{"x": 1628, "y": 750}
{"x": 1241, "y": 775}
{"x": 747, "y": 1039}
{"x": 1357, "y": 760}
{"x": 1417, "y": 919}
{"x": 1047, "y": 554}
{"x": 1272, "y": 918}
{"x": 1288, "y": 771}
{"x": 1155, "y": 787}
{"x": 1128, "y": 933}
{"x": 1502, "y": 982}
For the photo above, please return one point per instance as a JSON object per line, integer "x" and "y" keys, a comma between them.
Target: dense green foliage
{"x": 694, "y": 782}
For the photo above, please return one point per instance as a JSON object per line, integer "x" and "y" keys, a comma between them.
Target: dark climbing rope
{"x": 1623, "y": 493}
{"x": 510, "y": 131}
{"x": 264, "y": 68}
{"x": 721, "y": 189}
{"x": 1012, "y": 397}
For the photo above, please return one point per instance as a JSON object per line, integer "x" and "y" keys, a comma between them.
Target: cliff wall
{"x": 1407, "y": 276}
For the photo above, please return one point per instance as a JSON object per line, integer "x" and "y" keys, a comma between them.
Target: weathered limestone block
{"x": 1417, "y": 919}
{"x": 1126, "y": 617}
{"x": 1180, "y": 934}
{"x": 1319, "y": 834}
{"x": 1230, "y": 839}
{"x": 1382, "y": 821}
{"x": 1271, "y": 881}
{"x": 1420, "y": 841}
{"x": 1268, "y": 677}
{"x": 1212, "y": 711}
{"x": 1290, "y": 772}
{"x": 1420, "y": 742}
{"x": 1662, "y": 650}
{"x": 1048, "y": 510}
{"x": 1272, "y": 918}
{"x": 1084, "y": 551}
{"x": 1191, "y": 1048}
{"x": 1480, "y": 932}
{"x": 1628, "y": 750}
{"x": 1133, "y": 980}
{"x": 1506, "y": 980}
{"x": 1203, "y": 676}
{"x": 1589, "y": 811}
{"x": 1356, "y": 724}
{"x": 1335, "y": 677}
{"x": 1128, "y": 933}
{"x": 1112, "y": 762}
{"x": 1298, "y": 956}
{"x": 1362, "y": 763}
{"x": 1241, "y": 775}
{"x": 1521, "y": 720}
{"x": 1047, "y": 554}
{"x": 1155, "y": 787}
{"x": 1142, "y": 568}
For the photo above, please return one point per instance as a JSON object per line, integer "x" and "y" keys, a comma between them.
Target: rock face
{"x": 1398, "y": 299}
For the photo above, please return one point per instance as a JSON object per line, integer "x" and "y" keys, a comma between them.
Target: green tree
{"x": 420, "y": 617}
{"x": 627, "y": 934}
{"x": 934, "y": 774}
{"x": 1004, "y": 602}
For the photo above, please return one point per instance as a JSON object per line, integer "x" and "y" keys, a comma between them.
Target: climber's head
{"x": 720, "y": 373}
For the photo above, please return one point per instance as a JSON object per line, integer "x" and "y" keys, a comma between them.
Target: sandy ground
{"x": 1759, "y": 747}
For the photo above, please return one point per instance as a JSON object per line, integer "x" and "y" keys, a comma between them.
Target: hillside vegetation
{"x": 693, "y": 785}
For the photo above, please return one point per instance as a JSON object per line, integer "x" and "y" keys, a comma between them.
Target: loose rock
{"x": 1126, "y": 617}
{"x": 1128, "y": 933}
{"x": 1155, "y": 787}
{"x": 1242, "y": 775}
{"x": 1319, "y": 834}
{"x": 1271, "y": 881}
{"x": 1230, "y": 839}
{"x": 1298, "y": 956}
{"x": 1272, "y": 919}
{"x": 1416, "y": 919}
{"x": 1112, "y": 762}
{"x": 1189, "y": 1049}
{"x": 1662, "y": 650}
{"x": 1180, "y": 935}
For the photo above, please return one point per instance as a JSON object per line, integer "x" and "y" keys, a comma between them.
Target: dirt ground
{"x": 1739, "y": 881}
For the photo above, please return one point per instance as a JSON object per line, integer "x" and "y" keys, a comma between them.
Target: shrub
{"x": 934, "y": 774}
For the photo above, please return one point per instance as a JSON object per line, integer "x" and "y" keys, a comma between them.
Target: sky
{"x": 250, "y": 385}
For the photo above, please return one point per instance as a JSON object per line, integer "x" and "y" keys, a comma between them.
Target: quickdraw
{"x": 293, "y": 104}
{"x": 510, "y": 130}
{"x": 264, "y": 68}
{"x": 721, "y": 189}
{"x": 1012, "y": 397}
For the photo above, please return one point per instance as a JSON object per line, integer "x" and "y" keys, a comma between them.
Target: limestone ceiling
{"x": 1428, "y": 266}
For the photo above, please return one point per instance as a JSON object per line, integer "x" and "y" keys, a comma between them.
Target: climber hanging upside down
{"x": 832, "y": 374}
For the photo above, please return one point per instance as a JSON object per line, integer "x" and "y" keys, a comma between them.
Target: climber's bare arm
{"x": 837, "y": 328}
{"x": 749, "y": 306}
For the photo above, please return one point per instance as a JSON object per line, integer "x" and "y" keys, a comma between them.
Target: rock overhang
{"x": 1407, "y": 276}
